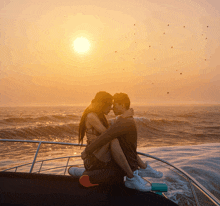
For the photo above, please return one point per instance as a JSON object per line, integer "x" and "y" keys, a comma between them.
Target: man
{"x": 124, "y": 130}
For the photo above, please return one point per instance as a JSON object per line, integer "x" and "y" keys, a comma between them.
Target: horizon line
{"x": 188, "y": 103}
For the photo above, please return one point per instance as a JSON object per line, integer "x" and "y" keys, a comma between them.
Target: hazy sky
{"x": 154, "y": 51}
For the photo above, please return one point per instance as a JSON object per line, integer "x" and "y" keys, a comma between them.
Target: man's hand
{"x": 128, "y": 113}
{"x": 83, "y": 155}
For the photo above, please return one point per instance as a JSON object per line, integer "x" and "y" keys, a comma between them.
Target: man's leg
{"x": 120, "y": 159}
{"x": 133, "y": 180}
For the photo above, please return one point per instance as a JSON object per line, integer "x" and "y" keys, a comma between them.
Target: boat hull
{"x": 47, "y": 189}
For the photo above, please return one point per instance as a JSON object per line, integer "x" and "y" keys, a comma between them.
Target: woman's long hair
{"x": 101, "y": 99}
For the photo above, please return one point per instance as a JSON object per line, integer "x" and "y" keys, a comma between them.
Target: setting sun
{"x": 81, "y": 45}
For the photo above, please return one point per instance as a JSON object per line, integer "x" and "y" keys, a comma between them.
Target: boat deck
{"x": 44, "y": 189}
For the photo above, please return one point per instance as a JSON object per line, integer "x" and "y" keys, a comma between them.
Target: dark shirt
{"x": 125, "y": 131}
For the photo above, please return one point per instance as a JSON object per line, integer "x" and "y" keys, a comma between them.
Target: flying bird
{"x": 168, "y": 25}
{"x": 180, "y": 73}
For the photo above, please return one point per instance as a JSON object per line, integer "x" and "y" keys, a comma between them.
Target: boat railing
{"x": 42, "y": 161}
{"x": 180, "y": 172}
{"x": 38, "y": 148}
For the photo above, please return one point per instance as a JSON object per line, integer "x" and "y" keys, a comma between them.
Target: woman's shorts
{"x": 101, "y": 172}
{"x": 92, "y": 163}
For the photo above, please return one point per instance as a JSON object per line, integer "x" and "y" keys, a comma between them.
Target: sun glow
{"x": 81, "y": 45}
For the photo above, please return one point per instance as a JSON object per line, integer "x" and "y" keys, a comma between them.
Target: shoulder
{"x": 92, "y": 116}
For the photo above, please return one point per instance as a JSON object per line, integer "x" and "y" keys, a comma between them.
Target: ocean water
{"x": 186, "y": 136}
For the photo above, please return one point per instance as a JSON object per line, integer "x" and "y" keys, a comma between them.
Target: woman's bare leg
{"x": 120, "y": 158}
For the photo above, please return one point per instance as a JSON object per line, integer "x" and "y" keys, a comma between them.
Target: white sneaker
{"x": 137, "y": 183}
{"x": 149, "y": 172}
{"x": 76, "y": 171}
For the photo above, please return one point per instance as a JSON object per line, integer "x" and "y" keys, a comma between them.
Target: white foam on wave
{"x": 202, "y": 162}
{"x": 142, "y": 119}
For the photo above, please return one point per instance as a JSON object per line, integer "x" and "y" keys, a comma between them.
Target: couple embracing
{"x": 111, "y": 151}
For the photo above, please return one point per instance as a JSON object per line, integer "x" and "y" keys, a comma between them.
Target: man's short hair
{"x": 122, "y": 98}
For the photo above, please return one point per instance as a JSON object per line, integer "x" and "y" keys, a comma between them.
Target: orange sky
{"x": 155, "y": 42}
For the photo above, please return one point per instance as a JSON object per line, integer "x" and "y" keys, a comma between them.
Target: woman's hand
{"x": 83, "y": 155}
{"x": 128, "y": 113}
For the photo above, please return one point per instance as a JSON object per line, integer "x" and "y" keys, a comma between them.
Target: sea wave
{"x": 39, "y": 119}
{"x": 68, "y": 125}
{"x": 39, "y": 131}
{"x": 170, "y": 122}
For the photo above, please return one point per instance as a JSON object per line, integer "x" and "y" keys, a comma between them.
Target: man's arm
{"x": 116, "y": 130}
